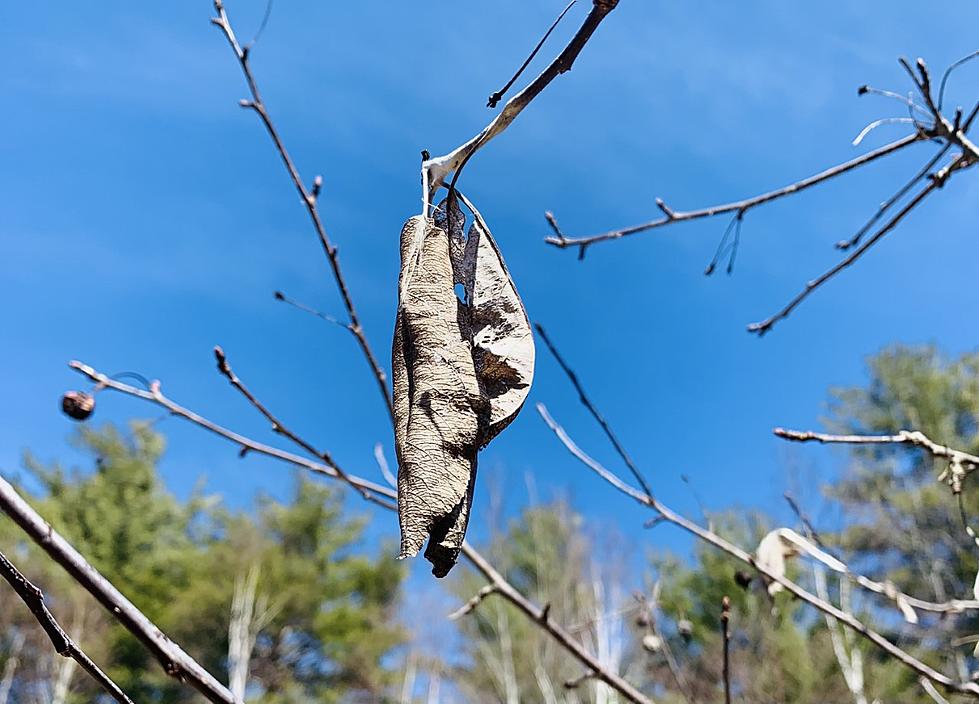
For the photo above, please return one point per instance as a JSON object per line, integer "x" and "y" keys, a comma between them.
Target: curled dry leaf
{"x": 782, "y": 543}
{"x": 773, "y": 550}
{"x": 462, "y": 370}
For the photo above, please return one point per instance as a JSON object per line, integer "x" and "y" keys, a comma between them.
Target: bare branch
{"x": 279, "y": 296}
{"x": 591, "y": 408}
{"x": 435, "y": 170}
{"x": 308, "y": 198}
{"x": 156, "y": 396}
{"x": 225, "y": 368}
{"x": 675, "y": 216}
{"x": 175, "y": 661}
{"x": 950, "y": 133}
{"x": 932, "y": 692}
{"x": 765, "y": 325}
{"x": 717, "y": 541}
{"x": 851, "y": 663}
{"x": 948, "y": 72}
{"x": 886, "y": 205}
{"x": 473, "y": 602}
{"x": 537, "y": 614}
{"x": 960, "y": 463}
{"x": 496, "y": 97}
{"x": 576, "y": 682}
{"x": 33, "y": 598}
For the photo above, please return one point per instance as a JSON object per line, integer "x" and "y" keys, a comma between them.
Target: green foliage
{"x": 322, "y": 607}
{"x": 774, "y": 656}
{"x": 544, "y": 553}
{"x": 902, "y": 522}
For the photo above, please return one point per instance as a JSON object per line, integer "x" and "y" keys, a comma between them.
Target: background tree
{"x": 321, "y": 613}
{"x": 546, "y": 552}
{"x": 902, "y": 522}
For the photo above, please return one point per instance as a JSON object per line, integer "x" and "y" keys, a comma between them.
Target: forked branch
{"x": 500, "y": 586}
{"x": 435, "y": 170}
{"x": 33, "y": 598}
{"x": 176, "y": 663}
{"x": 708, "y": 536}
{"x": 673, "y": 217}
{"x": 309, "y": 197}
{"x": 664, "y": 514}
{"x": 960, "y": 463}
{"x": 930, "y": 124}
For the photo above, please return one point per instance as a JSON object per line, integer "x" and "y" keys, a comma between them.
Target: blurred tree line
{"x": 893, "y": 520}
{"x": 312, "y": 612}
{"x": 287, "y": 603}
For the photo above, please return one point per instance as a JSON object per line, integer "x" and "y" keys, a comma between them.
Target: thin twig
{"x": 671, "y": 216}
{"x": 279, "y": 296}
{"x": 473, "y": 602}
{"x": 765, "y": 325}
{"x": 309, "y": 199}
{"x": 810, "y": 531}
{"x": 931, "y": 691}
{"x": 382, "y": 464}
{"x": 176, "y": 663}
{"x": 886, "y": 205}
{"x": 717, "y": 541}
{"x": 225, "y": 368}
{"x": 948, "y": 72}
{"x": 435, "y": 170}
{"x": 576, "y": 682}
{"x": 537, "y": 614}
{"x": 33, "y": 598}
{"x": 591, "y": 408}
{"x": 959, "y": 463}
{"x": 496, "y": 97}
{"x": 726, "y": 636}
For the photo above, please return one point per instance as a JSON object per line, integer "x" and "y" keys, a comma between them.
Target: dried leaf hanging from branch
{"x": 781, "y": 544}
{"x": 462, "y": 370}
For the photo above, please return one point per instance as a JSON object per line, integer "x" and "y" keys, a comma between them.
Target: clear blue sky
{"x": 146, "y": 218}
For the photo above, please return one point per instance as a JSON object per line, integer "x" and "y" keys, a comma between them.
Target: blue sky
{"x": 146, "y": 218}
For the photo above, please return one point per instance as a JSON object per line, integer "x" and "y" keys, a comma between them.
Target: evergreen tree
{"x": 314, "y": 613}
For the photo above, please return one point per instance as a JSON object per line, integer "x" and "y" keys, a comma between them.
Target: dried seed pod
{"x": 77, "y": 405}
{"x": 436, "y": 402}
{"x": 743, "y": 579}
{"x": 461, "y": 371}
{"x": 652, "y": 643}
{"x": 685, "y": 628}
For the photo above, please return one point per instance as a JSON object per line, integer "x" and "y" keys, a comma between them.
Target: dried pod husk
{"x": 652, "y": 643}
{"x": 502, "y": 339}
{"x": 437, "y": 402}
{"x": 461, "y": 371}
{"x": 685, "y": 628}
{"x": 77, "y": 405}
